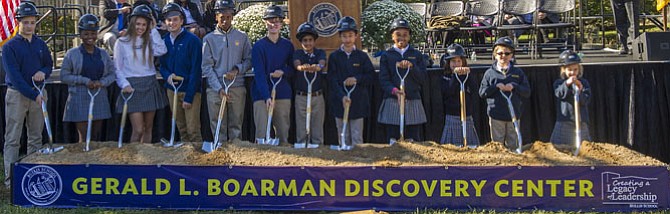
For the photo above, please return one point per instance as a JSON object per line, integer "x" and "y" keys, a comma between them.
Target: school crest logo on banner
{"x": 324, "y": 17}
{"x": 41, "y": 185}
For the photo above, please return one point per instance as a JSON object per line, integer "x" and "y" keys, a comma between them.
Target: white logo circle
{"x": 42, "y": 185}
{"x": 324, "y": 17}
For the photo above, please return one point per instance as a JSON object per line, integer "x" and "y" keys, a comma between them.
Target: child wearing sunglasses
{"x": 504, "y": 77}
{"x": 564, "y": 90}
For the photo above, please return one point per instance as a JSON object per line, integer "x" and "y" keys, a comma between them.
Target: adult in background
{"x": 226, "y": 54}
{"x": 25, "y": 58}
{"x": 209, "y": 16}
{"x": 193, "y": 21}
{"x": 114, "y": 18}
{"x": 85, "y": 68}
{"x": 627, "y": 22}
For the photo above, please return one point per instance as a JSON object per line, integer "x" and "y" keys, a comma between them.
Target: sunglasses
{"x": 504, "y": 53}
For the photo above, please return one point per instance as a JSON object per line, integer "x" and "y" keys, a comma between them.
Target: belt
{"x": 314, "y": 93}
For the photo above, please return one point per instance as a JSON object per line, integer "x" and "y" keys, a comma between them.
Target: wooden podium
{"x": 324, "y": 15}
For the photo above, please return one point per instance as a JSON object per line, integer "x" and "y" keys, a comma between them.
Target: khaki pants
{"x": 354, "y": 133}
{"x": 280, "y": 119}
{"x": 17, "y": 109}
{"x": 233, "y": 117}
{"x": 316, "y": 120}
{"x": 188, "y": 121}
{"x": 503, "y": 132}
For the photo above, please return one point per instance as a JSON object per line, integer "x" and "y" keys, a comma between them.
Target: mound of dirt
{"x": 401, "y": 154}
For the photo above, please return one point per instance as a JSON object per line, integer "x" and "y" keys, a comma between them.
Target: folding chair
{"x": 518, "y": 8}
{"x": 479, "y": 8}
{"x": 441, "y": 34}
{"x": 421, "y": 9}
{"x": 566, "y": 9}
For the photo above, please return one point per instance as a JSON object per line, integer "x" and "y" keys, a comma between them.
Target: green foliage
{"x": 62, "y": 25}
{"x": 365, "y": 3}
{"x": 250, "y": 21}
{"x": 377, "y": 18}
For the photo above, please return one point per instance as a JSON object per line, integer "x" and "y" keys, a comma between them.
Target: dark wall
{"x": 630, "y": 106}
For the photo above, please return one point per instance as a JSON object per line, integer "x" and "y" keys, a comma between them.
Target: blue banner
{"x": 606, "y": 188}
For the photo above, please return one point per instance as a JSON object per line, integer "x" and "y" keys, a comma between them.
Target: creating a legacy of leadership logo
{"x": 324, "y": 17}
{"x": 41, "y": 185}
{"x": 634, "y": 191}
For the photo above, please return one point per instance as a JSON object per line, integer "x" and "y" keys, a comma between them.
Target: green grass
{"x": 7, "y": 207}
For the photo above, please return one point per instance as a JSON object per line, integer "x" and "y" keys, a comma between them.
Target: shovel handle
{"x": 578, "y": 136}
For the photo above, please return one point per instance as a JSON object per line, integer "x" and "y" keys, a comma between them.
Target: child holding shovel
{"x": 309, "y": 104}
{"x": 349, "y": 67}
{"x": 458, "y": 94}
{"x": 402, "y": 75}
{"x": 570, "y": 84}
{"x": 87, "y": 69}
{"x": 504, "y": 84}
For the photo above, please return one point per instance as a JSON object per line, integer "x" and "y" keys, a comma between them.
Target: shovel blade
{"x": 167, "y": 143}
{"x": 273, "y": 142}
{"x": 341, "y": 148}
{"x": 47, "y": 151}
{"x": 208, "y": 147}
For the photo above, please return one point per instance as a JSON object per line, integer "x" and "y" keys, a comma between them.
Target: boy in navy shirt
{"x": 504, "y": 77}
{"x": 26, "y": 58}
{"x": 271, "y": 61}
{"x": 309, "y": 61}
{"x": 349, "y": 67}
{"x": 184, "y": 59}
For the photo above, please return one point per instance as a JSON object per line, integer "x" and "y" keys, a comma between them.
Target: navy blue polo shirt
{"x": 22, "y": 59}
{"x": 92, "y": 66}
{"x": 309, "y": 58}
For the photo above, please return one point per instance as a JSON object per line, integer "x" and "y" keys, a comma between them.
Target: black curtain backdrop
{"x": 630, "y": 106}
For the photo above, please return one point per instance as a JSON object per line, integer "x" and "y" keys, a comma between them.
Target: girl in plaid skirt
{"x": 87, "y": 68}
{"x": 456, "y": 68}
{"x": 564, "y": 90}
{"x": 134, "y": 59}
{"x": 399, "y": 62}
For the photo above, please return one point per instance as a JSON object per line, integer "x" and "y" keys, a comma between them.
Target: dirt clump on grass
{"x": 243, "y": 153}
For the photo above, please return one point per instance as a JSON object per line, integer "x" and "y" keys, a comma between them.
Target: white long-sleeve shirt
{"x": 129, "y": 66}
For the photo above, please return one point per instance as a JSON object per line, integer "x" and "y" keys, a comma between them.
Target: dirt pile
{"x": 402, "y": 154}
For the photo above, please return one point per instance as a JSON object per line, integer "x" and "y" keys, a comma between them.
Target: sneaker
{"x": 312, "y": 146}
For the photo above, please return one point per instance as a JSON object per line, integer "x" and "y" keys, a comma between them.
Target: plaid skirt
{"x": 148, "y": 96}
{"x": 564, "y": 133}
{"x": 76, "y": 106}
{"x": 453, "y": 131}
{"x": 389, "y": 112}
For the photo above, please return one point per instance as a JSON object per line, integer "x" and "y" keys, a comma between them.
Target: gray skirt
{"x": 76, "y": 106}
{"x": 148, "y": 96}
{"x": 389, "y": 112}
{"x": 564, "y": 133}
{"x": 453, "y": 131}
